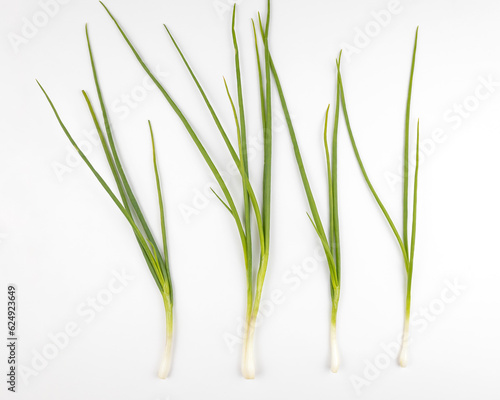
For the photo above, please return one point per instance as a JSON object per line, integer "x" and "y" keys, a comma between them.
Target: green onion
{"x": 156, "y": 261}
{"x": 262, "y": 213}
{"x": 407, "y": 250}
{"x": 330, "y": 243}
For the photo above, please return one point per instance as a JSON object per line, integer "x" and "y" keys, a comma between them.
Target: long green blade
{"x": 158, "y": 278}
{"x": 133, "y": 201}
{"x": 305, "y": 181}
{"x": 243, "y": 156}
{"x": 268, "y": 133}
{"x": 329, "y": 181}
{"x": 107, "y": 152}
{"x": 248, "y": 261}
{"x": 334, "y": 219}
{"x": 266, "y": 192}
{"x": 216, "y": 119}
{"x": 165, "y": 265}
{"x": 415, "y": 186}
{"x": 261, "y": 86}
{"x": 407, "y": 149}
{"x": 365, "y": 175}
{"x": 116, "y": 176}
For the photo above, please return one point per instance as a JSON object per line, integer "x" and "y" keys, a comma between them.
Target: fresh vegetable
{"x": 156, "y": 260}
{"x": 330, "y": 242}
{"x": 407, "y": 248}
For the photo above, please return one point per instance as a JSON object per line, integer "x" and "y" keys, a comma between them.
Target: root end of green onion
{"x": 334, "y": 349}
{"x": 166, "y": 361}
{"x": 403, "y": 355}
{"x": 248, "y": 361}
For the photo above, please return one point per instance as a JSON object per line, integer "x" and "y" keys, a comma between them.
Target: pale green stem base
{"x": 403, "y": 355}
{"x": 334, "y": 348}
{"x": 166, "y": 361}
{"x": 248, "y": 360}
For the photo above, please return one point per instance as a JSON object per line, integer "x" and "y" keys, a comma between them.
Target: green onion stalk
{"x": 156, "y": 260}
{"x": 406, "y": 245}
{"x": 330, "y": 241}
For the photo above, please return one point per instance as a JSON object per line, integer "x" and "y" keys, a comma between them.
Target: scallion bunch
{"x": 406, "y": 243}
{"x": 156, "y": 260}
{"x": 330, "y": 241}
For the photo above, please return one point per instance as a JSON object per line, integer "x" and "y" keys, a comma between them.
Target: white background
{"x": 62, "y": 238}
